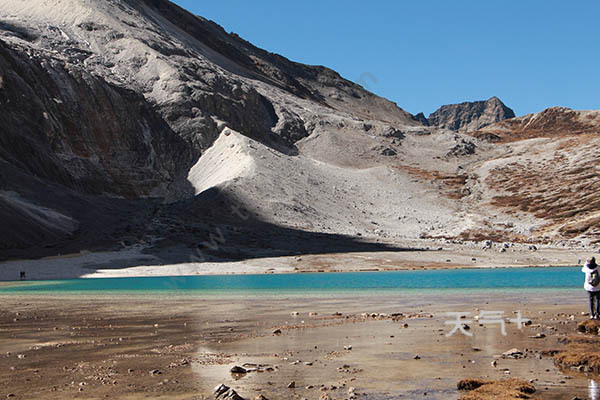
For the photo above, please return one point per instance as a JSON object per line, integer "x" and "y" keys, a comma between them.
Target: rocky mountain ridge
{"x": 470, "y": 116}
{"x": 134, "y": 122}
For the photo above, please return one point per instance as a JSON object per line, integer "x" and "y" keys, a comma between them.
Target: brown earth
{"x": 381, "y": 346}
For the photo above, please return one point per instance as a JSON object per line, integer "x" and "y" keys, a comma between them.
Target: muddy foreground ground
{"x": 181, "y": 347}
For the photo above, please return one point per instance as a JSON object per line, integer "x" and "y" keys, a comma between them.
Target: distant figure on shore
{"x": 592, "y": 285}
{"x": 23, "y": 275}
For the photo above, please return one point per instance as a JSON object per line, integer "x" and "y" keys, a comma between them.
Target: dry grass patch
{"x": 452, "y": 185}
{"x": 478, "y": 389}
{"x": 583, "y": 357}
{"x": 582, "y": 352}
{"x": 479, "y": 235}
{"x": 589, "y": 327}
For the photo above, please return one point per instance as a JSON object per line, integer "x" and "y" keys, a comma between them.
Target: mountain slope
{"x": 134, "y": 122}
{"x": 121, "y": 98}
{"x": 548, "y": 178}
{"x": 553, "y": 122}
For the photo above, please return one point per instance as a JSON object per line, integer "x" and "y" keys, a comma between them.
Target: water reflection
{"x": 594, "y": 392}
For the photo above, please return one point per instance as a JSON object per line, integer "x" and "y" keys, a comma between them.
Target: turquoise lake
{"x": 396, "y": 281}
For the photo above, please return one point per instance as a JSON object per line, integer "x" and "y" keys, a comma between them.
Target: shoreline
{"x": 326, "y": 284}
{"x": 330, "y": 271}
{"x": 135, "y": 262}
{"x": 279, "y": 295}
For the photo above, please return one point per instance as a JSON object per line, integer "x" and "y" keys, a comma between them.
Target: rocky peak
{"x": 470, "y": 116}
{"x": 420, "y": 117}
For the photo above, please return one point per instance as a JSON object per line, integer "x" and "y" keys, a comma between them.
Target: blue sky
{"x": 531, "y": 54}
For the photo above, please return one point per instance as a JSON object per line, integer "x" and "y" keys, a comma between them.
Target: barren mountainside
{"x": 135, "y": 123}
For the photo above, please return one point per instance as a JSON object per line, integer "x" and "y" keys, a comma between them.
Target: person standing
{"x": 592, "y": 286}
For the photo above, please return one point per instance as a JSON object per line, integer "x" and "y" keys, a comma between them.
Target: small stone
{"x": 349, "y": 347}
{"x": 277, "y": 332}
{"x": 155, "y": 372}
{"x": 512, "y": 353}
{"x": 238, "y": 370}
{"x": 291, "y": 385}
{"x": 416, "y": 357}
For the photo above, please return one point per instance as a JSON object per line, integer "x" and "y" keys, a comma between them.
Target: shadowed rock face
{"x": 470, "y": 116}
{"x": 73, "y": 128}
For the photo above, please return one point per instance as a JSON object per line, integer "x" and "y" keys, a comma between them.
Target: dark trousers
{"x": 594, "y": 304}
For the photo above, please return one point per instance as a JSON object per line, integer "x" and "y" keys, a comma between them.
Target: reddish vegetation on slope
{"x": 563, "y": 190}
{"x": 552, "y": 122}
{"x": 452, "y": 184}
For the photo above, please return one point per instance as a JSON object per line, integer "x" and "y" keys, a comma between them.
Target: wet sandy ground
{"x": 182, "y": 347}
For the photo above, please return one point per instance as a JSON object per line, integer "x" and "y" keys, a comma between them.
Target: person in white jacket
{"x": 592, "y": 286}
